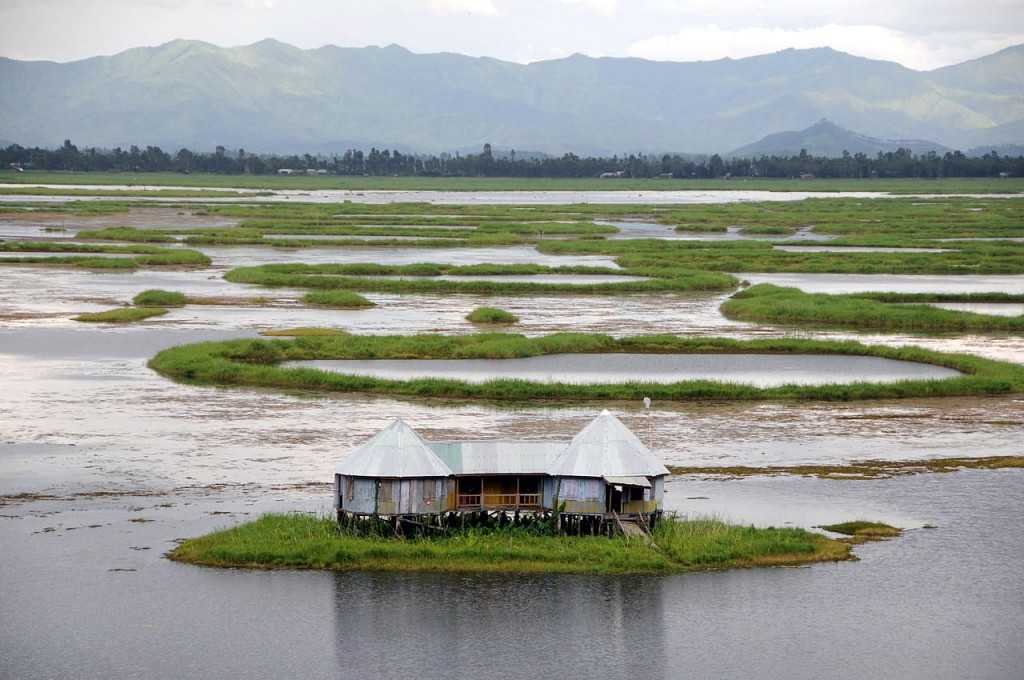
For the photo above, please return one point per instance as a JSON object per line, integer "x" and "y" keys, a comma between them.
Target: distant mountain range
{"x": 270, "y": 96}
{"x": 825, "y": 138}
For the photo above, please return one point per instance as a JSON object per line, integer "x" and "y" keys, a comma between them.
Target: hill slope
{"x": 825, "y": 138}
{"x": 272, "y": 96}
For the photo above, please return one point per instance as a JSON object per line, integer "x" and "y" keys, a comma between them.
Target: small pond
{"x": 762, "y": 370}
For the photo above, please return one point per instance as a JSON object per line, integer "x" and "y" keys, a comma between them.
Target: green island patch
{"x": 121, "y": 315}
{"x": 98, "y": 256}
{"x": 337, "y": 299}
{"x": 375, "y": 278}
{"x": 768, "y": 303}
{"x": 255, "y": 363}
{"x": 295, "y": 541}
{"x": 491, "y": 315}
{"x": 860, "y": 531}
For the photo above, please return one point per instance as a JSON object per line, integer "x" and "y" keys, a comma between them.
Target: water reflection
{"x": 423, "y": 625}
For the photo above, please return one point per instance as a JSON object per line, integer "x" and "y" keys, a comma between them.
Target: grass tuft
{"x": 160, "y": 298}
{"x": 121, "y": 315}
{"x": 491, "y": 315}
{"x": 860, "y": 529}
{"x": 337, "y": 299}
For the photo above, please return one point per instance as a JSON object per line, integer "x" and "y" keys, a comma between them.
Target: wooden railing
{"x": 499, "y": 500}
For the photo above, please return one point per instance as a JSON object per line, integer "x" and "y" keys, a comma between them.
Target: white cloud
{"x": 875, "y": 42}
{"x": 603, "y": 7}
{"x": 482, "y": 7}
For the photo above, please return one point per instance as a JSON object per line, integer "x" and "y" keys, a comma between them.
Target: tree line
{"x": 384, "y": 162}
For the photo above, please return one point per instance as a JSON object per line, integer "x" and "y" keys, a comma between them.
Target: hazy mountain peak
{"x": 274, "y": 96}
{"x": 825, "y": 138}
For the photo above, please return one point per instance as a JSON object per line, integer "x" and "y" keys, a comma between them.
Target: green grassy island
{"x": 767, "y": 303}
{"x": 860, "y": 530}
{"x": 256, "y": 363}
{"x": 491, "y": 315}
{"x": 295, "y": 541}
{"x": 121, "y": 315}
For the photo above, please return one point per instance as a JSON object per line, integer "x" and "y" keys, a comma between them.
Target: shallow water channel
{"x": 762, "y": 370}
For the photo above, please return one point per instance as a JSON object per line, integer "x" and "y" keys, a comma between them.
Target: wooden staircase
{"x": 632, "y": 528}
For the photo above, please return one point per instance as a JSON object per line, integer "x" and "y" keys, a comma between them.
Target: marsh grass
{"x": 126, "y": 234}
{"x": 337, "y": 299}
{"x": 711, "y": 543}
{"x": 298, "y": 541}
{"x": 491, "y": 315}
{"x": 160, "y": 298}
{"x": 255, "y": 363}
{"x": 863, "y": 530}
{"x": 121, "y": 315}
{"x": 91, "y": 255}
{"x": 303, "y": 332}
{"x": 767, "y": 303}
{"x": 373, "y": 278}
{"x": 857, "y": 470}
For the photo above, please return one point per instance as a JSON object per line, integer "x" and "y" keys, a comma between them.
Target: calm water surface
{"x": 901, "y": 283}
{"x": 934, "y": 604}
{"x": 762, "y": 370}
{"x": 994, "y": 308}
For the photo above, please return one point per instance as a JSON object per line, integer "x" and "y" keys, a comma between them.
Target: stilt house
{"x": 604, "y": 471}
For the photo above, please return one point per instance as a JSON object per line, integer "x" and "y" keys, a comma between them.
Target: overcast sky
{"x": 921, "y": 34}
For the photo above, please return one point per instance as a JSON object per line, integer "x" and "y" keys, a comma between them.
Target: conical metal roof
{"x": 606, "y": 448}
{"x": 395, "y": 451}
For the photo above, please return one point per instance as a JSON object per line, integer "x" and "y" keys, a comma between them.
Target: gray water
{"x": 246, "y": 256}
{"x": 631, "y": 229}
{"x": 897, "y": 283}
{"x": 612, "y": 195}
{"x": 763, "y": 370}
{"x": 993, "y": 308}
{"x": 350, "y": 237}
{"x": 931, "y": 605}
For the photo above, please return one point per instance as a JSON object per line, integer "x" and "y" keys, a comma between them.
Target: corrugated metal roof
{"x": 498, "y": 457}
{"x": 606, "y": 447}
{"x": 629, "y": 481}
{"x": 395, "y": 451}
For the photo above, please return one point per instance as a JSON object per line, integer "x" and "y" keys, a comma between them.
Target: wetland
{"x": 108, "y": 465}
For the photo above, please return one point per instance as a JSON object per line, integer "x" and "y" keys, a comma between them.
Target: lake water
{"x": 452, "y": 197}
{"x": 993, "y": 308}
{"x": 630, "y": 229}
{"x": 763, "y": 370}
{"x": 898, "y": 283}
{"x": 243, "y": 256}
{"x": 935, "y": 604}
{"x": 348, "y": 237}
